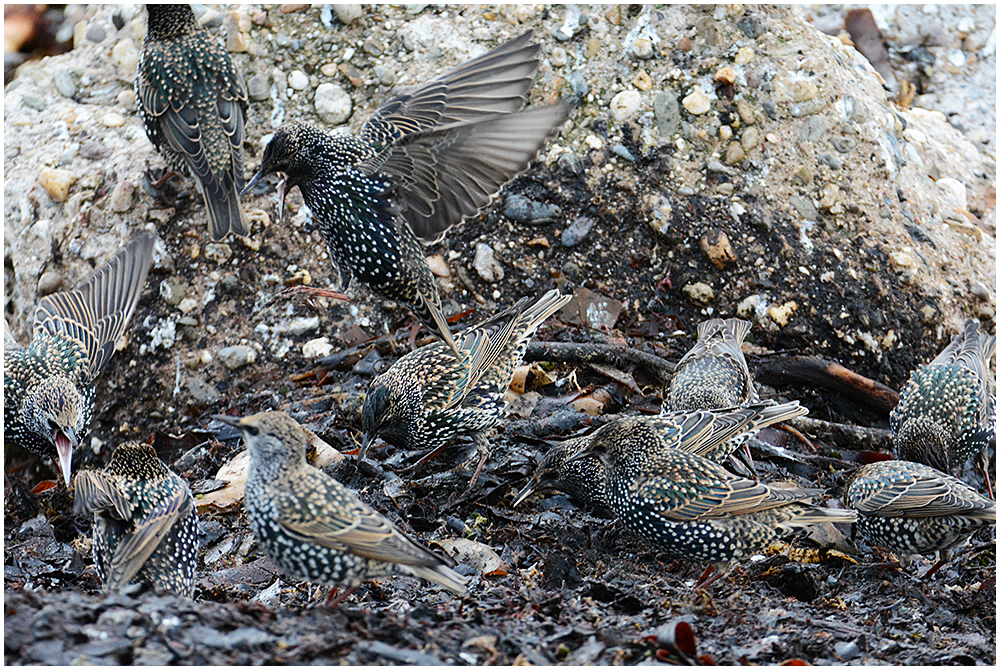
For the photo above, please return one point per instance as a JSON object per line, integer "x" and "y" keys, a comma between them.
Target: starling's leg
{"x": 753, "y": 470}
{"x": 984, "y": 463}
{"x": 308, "y": 292}
{"x": 159, "y": 183}
{"x": 484, "y": 452}
{"x": 412, "y": 339}
{"x": 332, "y": 600}
{"x": 427, "y": 457}
{"x": 805, "y": 440}
{"x": 704, "y": 582}
{"x": 934, "y": 568}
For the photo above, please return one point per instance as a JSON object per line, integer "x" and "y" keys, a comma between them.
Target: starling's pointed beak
{"x": 253, "y": 182}
{"x": 282, "y": 192}
{"x": 364, "y": 446}
{"x": 65, "y": 443}
{"x": 525, "y": 492}
{"x": 233, "y": 421}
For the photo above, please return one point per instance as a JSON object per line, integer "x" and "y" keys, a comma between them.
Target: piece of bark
{"x": 831, "y": 376}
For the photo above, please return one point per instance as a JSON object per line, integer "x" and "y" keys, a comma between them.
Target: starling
{"x": 690, "y": 506}
{"x": 193, "y": 105}
{"x": 48, "y": 386}
{"x": 313, "y": 527}
{"x": 912, "y": 508}
{"x": 145, "y": 523}
{"x": 582, "y": 479}
{"x": 945, "y": 411}
{"x": 712, "y": 434}
{"x": 714, "y": 374}
{"x": 430, "y": 396}
{"x": 426, "y": 160}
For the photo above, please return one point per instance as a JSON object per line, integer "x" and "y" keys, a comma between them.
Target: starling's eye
{"x": 252, "y": 431}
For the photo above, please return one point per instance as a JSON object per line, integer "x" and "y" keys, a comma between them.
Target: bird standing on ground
{"x": 48, "y": 386}
{"x": 426, "y": 160}
{"x": 912, "y": 508}
{"x": 714, "y": 373}
{"x": 430, "y": 395}
{"x": 313, "y": 527}
{"x": 145, "y": 522}
{"x": 712, "y": 434}
{"x": 945, "y": 411}
{"x": 690, "y": 506}
{"x": 193, "y": 105}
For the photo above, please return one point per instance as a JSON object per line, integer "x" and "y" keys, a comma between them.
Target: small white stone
{"x": 333, "y": 104}
{"x": 298, "y": 80}
{"x": 956, "y": 57}
{"x": 126, "y": 55}
{"x": 625, "y": 104}
{"x": 696, "y": 102}
{"x": 957, "y": 190}
{"x": 348, "y": 14}
{"x": 318, "y": 348}
{"x": 113, "y": 120}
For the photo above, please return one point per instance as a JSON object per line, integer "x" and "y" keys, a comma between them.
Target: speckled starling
{"x": 145, "y": 522}
{"x": 313, "y": 527}
{"x": 912, "y": 508}
{"x": 48, "y": 386}
{"x": 583, "y": 479}
{"x": 426, "y": 160}
{"x": 945, "y": 411}
{"x": 712, "y": 434}
{"x": 690, "y": 506}
{"x": 430, "y": 396}
{"x": 193, "y": 105}
{"x": 714, "y": 373}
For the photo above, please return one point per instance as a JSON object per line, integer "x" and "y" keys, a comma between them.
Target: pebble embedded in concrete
{"x": 237, "y": 356}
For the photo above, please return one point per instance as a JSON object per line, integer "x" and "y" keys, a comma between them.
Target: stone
{"x": 298, "y": 80}
{"x": 734, "y": 153}
{"x": 744, "y": 55}
{"x": 49, "y": 282}
{"x": 524, "y": 210}
{"x": 750, "y": 139}
{"x": 113, "y": 120}
{"x": 237, "y": 357}
{"x": 486, "y": 265}
{"x": 667, "y": 112}
{"x": 258, "y": 87}
{"x": 289, "y": 8}
{"x": 745, "y": 111}
{"x": 65, "y": 83}
{"x": 173, "y": 290}
{"x": 579, "y": 84}
{"x": 438, "y": 266}
{"x": 236, "y": 41}
{"x": 829, "y": 196}
{"x": 297, "y": 326}
{"x": 642, "y": 81}
{"x": 318, "y": 348}
{"x": 348, "y": 14}
{"x": 780, "y": 314}
{"x": 95, "y": 33}
{"x": 696, "y": 102}
{"x": 333, "y": 104}
{"x": 121, "y": 197}
{"x": 577, "y": 231}
{"x": 726, "y": 76}
{"x": 699, "y": 292}
{"x": 126, "y": 54}
{"x": 642, "y": 48}
{"x": 220, "y": 253}
{"x": 56, "y": 183}
{"x": 715, "y": 243}
{"x": 625, "y": 105}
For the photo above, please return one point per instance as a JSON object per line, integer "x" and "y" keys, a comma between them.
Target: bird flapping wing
{"x": 913, "y": 491}
{"x": 96, "y": 313}
{"x": 98, "y": 492}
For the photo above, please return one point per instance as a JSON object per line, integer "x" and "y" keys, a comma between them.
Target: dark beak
{"x": 525, "y": 492}
{"x": 364, "y": 446}
{"x": 282, "y": 189}
{"x": 233, "y": 421}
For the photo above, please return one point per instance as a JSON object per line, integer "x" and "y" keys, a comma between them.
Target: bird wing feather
{"x": 915, "y": 492}
{"x": 96, "y": 492}
{"x": 133, "y": 552}
{"x": 96, "y": 312}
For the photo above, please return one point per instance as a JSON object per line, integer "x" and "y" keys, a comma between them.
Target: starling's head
{"x": 554, "y": 473}
{"x": 294, "y": 153}
{"x": 55, "y": 411}
{"x": 170, "y": 20}
{"x": 922, "y": 440}
{"x": 390, "y": 412}
{"x": 136, "y": 461}
{"x": 273, "y": 438}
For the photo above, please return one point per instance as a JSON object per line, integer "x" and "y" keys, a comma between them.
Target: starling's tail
{"x": 441, "y": 575}
{"x": 732, "y": 329}
{"x": 225, "y": 214}
{"x": 96, "y": 312}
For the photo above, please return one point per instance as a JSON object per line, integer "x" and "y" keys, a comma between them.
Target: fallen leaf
{"x": 474, "y": 554}
{"x": 234, "y": 472}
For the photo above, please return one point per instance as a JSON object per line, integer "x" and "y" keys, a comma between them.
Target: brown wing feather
{"x": 133, "y": 552}
{"x": 96, "y": 313}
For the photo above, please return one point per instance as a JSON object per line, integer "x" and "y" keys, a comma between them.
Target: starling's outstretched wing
{"x": 450, "y": 144}
{"x": 133, "y": 552}
{"x": 96, "y": 313}
{"x": 495, "y": 83}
